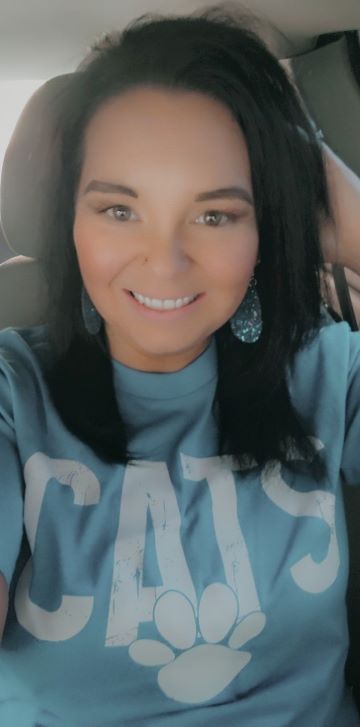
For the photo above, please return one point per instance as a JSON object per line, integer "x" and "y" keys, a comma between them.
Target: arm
{"x": 342, "y": 244}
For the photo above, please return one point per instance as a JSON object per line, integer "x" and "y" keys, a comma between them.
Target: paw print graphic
{"x": 200, "y": 671}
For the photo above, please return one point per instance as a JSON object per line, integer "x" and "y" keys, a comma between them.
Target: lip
{"x": 166, "y": 314}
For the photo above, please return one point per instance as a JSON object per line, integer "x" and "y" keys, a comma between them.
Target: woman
{"x": 191, "y": 411}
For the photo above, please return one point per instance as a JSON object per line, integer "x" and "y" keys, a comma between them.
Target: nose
{"x": 166, "y": 258}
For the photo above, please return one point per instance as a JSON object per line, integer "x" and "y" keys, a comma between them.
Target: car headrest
{"x": 28, "y": 163}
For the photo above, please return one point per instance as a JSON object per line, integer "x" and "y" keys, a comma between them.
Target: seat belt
{"x": 342, "y": 290}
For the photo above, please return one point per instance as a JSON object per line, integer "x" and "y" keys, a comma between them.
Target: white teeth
{"x": 167, "y": 304}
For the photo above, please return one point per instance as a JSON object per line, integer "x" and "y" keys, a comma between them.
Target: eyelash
{"x": 232, "y": 216}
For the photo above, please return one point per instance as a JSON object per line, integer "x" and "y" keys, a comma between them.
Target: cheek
{"x": 99, "y": 258}
{"x": 234, "y": 269}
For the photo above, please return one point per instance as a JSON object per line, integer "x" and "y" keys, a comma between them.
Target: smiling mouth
{"x": 154, "y": 297}
{"x": 162, "y": 308}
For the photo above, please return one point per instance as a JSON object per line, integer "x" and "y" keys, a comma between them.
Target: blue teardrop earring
{"x": 246, "y": 323}
{"x": 91, "y": 318}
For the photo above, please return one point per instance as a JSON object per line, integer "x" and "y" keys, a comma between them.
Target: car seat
{"x": 25, "y": 181}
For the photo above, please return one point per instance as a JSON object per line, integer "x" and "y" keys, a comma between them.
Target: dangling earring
{"x": 246, "y": 323}
{"x": 91, "y": 318}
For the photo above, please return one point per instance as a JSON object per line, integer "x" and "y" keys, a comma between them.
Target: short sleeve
{"x": 350, "y": 464}
{"x": 11, "y": 484}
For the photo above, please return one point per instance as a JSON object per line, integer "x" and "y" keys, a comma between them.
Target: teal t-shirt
{"x": 185, "y": 590}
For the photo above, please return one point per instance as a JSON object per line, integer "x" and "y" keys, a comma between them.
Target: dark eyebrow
{"x": 223, "y": 192}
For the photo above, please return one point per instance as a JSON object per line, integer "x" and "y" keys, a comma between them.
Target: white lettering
{"x": 309, "y": 575}
{"x": 74, "y": 611}
{"x": 218, "y": 473}
{"x": 145, "y": 488}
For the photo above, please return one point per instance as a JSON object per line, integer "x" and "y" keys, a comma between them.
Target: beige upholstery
{"x": 29, "y": 168}
{"x": 25, "y": 180}
{"x": 22, "y": 292}
{"x": 326, "y": 81}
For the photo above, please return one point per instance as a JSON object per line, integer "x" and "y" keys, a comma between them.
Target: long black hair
{"x": 214, "y": 53}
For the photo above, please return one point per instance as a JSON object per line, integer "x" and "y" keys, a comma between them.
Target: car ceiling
{"x": 40, "y": 39}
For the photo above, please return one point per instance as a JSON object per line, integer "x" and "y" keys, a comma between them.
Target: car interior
{"x": 43, "y": 43}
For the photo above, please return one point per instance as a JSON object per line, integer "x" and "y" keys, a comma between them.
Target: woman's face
{"x": 160, "y": 240}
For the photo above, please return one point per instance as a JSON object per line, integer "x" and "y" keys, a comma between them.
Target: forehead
{"x": 154, "y": 125}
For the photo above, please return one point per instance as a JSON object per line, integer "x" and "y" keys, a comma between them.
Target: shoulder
{"x": 24, "y": 353}
{"x": 23, "y": 345}
{"x": 331, "y": 344}
{"x": 327, "y": 365}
